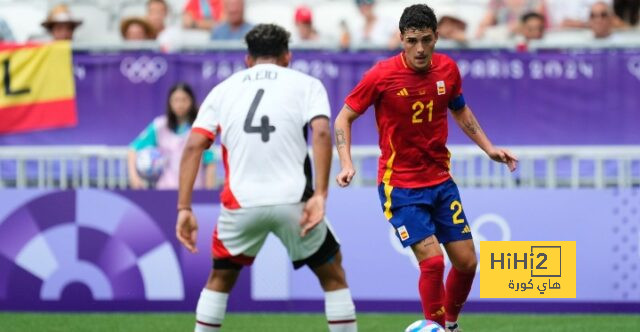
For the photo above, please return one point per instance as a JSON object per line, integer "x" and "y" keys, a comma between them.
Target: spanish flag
{"x": 37, "y": 90}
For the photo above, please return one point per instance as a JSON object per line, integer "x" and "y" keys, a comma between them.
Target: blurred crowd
{"x": 349, "y": 23}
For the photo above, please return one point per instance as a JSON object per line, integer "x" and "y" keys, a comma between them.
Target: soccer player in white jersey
{"x": 261, "y": 115}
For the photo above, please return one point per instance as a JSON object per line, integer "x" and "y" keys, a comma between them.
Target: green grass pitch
{"x": 367, "y": 322}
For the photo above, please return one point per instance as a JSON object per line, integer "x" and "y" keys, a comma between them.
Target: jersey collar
{"x": 403, "y": 61}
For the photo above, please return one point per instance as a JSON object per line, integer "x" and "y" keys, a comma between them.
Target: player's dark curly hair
{"x": 267, "y": 40}
{"x": 418, "y": 17}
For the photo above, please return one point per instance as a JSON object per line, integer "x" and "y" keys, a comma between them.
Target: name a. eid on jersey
{"x": 260, "y": 75}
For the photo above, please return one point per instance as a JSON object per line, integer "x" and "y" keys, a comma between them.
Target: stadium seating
{"x": 271, "y": 12}
{"x": 24, "y": 18}
{"x": 97, "y": 22}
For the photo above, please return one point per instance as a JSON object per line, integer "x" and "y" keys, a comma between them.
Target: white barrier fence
{"x": 99, "y": 166}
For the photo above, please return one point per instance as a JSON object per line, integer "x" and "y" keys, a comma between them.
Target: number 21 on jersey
{"x": 418, "y": 107}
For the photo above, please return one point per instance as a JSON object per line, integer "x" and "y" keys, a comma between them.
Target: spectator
{"x": 136, "y": 29}
{"x": 235, "y": 26}
{"x": 601, "y": 20}
{"x": 563, "y": 14}
{"x": 157, "y": 11}
{"x": 6, "y": 35}
{"x": 452, "y": 28}
{"x": 60, "y": 24}
{"x": 532, "y": 26}
{"x": 627, "y": 12}
{"x": 305, "y": 32}
{"x": 375, "y": 31}
{"x": 507, "y": 13}
{"x": 169, "y": 134}
{"x": 202, "y": 14}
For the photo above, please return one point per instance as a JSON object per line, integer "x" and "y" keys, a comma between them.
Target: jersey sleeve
{"x": 208, "y": 119}
{"x": 365, "y": 93}
{"x": 457, "y": 99}
{"x": 318, "y": 102}
{"x": 147, "y": 138}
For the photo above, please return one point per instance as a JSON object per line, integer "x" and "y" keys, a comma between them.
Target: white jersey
{"x": 261, "y": 115}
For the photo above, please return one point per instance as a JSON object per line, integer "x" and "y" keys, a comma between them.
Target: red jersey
{"x": 213, "y": 11}
{"x": 411, "y": 114}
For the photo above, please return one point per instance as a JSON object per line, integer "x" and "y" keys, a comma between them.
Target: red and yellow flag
{"x": 37, "y": 89}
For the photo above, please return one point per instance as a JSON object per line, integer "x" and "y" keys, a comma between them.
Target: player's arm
{"x": 186, "y": 225}
{"x": 469, "y": 124}
{"x": 314, "y": 209}
{"x": 322, "y": 153}
{"x": 343, "y": 144}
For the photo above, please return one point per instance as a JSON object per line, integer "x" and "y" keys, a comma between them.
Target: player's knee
{"x": 468, "y": 265}
{"x": 222, "y": 280}
{"x": 333, "y": 278}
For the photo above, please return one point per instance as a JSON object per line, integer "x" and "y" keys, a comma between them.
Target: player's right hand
{"x": 345, "y": 176}
{"x": 312, "y": 214}
{"x": 187, "y": 230}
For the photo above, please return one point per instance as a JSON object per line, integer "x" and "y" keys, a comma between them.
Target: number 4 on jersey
{"x": 264, "y": 129}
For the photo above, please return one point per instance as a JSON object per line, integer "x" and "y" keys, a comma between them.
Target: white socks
{"x": 339, "y": 308}
{"x": 210, "y": 311}
{"x": 340, "y": 311}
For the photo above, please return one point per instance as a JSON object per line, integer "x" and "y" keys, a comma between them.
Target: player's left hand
{"x": 504, "y": 156}
{"x": 312, "y": 214}
{"x": 187, "y": 230}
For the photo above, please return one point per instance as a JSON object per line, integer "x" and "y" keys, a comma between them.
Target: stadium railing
{"x": 100, "y": 166}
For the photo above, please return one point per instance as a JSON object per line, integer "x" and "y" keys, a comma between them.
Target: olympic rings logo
{"x": 143, "y": 69}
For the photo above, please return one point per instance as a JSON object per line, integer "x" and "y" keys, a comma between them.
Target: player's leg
{"x": 320, "y": 250}
{"x": 432, "y": 292}
{"x": 339, "y": 307}
{"x": 238, "y": 237}
{"x": 454, "y": 232}
{"x": 460, "y": 278}
{"x": 212, "y": 304}
{"x": 408, "y": 211}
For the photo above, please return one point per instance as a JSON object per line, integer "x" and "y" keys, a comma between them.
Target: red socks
{"x": 435, "y": 305}
{"x": 458, "y": 288}
{"x": 432, "y": 289}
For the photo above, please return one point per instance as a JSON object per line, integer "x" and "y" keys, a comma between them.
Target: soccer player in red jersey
{"x": 411, "y": 93}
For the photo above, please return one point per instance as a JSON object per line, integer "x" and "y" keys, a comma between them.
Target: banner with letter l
{"x": 37, "y": 89}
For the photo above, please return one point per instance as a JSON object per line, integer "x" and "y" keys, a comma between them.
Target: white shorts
{"x": 240, "y": 233}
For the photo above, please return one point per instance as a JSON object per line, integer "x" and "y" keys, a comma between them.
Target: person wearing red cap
{"x": 305, "y": 32}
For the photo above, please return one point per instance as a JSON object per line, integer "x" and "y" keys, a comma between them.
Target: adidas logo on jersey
{"x": 403, "y": 93}
{"x": 466, "y": 229}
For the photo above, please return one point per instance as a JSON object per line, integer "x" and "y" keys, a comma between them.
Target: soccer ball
{"x": 150, "y": 163}
{"x": 424, "y": 326}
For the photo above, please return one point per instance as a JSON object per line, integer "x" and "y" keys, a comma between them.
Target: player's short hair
{"x": 267, "y": 40}
{"x": 418, "y": 17}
